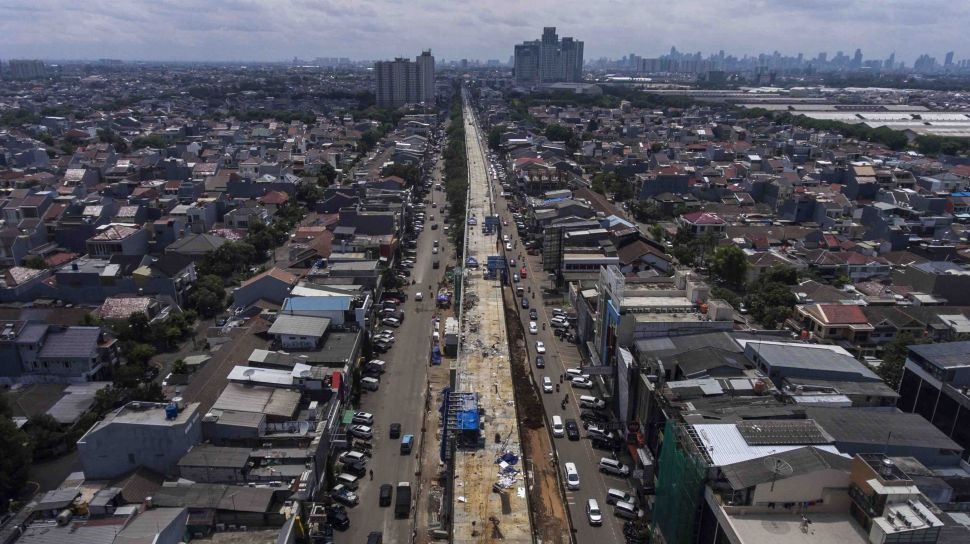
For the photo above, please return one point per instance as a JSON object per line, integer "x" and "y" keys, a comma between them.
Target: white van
{"x": 370, "y": 384}
{"x": 572, "y": 476}
{"x": 348, "y": 480}
{"x": 586, "y": 401}
{"x": 558, "y": 430}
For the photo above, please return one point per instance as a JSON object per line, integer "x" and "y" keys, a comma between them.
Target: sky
{"x": 276, "y": 30}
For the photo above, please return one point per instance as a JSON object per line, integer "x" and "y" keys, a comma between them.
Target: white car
{"x": 362, "y": 431}
{"x": 533, "y": 328}
{"x": 434, "y": 250}
{"x": 582, "y": 382}
{"x": 391, "y": 322}
{"x": 572, "y": 476}
{"x": 418, "y": 296}
{"x": 508, "y": 246}
{"x": 540, "y": 347}
{"x": 593, "y": 513}
{"x": 572, "y": 373}
{"x": 559, "y": 322}
{"x": 547, "y": 384}
{"x": 363, "y": 418}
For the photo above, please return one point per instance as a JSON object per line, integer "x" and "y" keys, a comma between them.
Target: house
{"x": 273, "y": 285}
{"x": 845, "y": 323}
{"x": 700, "y": 223}
{"x": 638, "y": 255}
{"x": 171, "y": 275}
{"x": 117, "y": 239}
{"x": 139, "y": 434}
{"x": 121, "y": 308}
{"x": 790, "y": 361}
{"x": 943, "y": 279}
{"x": 245, "y": 216}
{"x": 196, "y": 246}
{"x": 299, "y": 332}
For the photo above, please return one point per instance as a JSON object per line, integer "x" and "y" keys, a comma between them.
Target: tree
{"x": 894, "y": 358}
{"x": 592, "y": 126}
{"x": 368, "y": 140}
{"x": 36, "y": 262}
{"x": 558, "y": 133}
{"x": 656, "y": 232}
{"x": 495, "y": 137}
{"x": 327, "y": 175}
{"x": 770, "y": 297}
{"x": 140, "y": 354}
{"x": 46, "y": 436}
{"x": 208, "y": 297}
{"x": 229, "y": 259}
{"x": 179, "y": 367}
{"x": 730, "y": 264}
{"x": 408, "y": 172}
{"x": 14, "y": 463}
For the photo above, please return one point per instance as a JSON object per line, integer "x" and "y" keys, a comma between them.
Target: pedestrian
{"x": 372, "y": 475}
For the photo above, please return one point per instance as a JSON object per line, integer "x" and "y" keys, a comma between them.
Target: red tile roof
{"x": 842, "y": 314}
{"x": 703, "y": 218}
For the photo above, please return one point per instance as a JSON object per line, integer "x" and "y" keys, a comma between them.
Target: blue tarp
{"x": 467, "y": 420}
{"x": 471, "y": 261}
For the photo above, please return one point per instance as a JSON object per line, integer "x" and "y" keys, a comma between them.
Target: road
{"x": 401, "y": 398}
{"x": 559, "y": 356}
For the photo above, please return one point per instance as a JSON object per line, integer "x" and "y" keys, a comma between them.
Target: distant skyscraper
{"x": 891, "y": 61}
{"x": 402, "y": 81}
{"x": 549, "y": 60}
{"x": 27, "y": 69}
{"x": 948, "y": 60}
{"x": 857, "y": 59}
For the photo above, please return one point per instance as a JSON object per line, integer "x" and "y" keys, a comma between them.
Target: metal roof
{"x": 73, "y": 342}
{"x": 783, "y": 465}
{"x": 205, "y": 455}
{"x": 297, "y": 325}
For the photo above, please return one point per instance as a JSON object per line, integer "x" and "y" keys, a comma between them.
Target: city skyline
{"x": 240, "y": 30}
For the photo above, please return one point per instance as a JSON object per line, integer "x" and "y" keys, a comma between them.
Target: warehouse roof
{"x": 298, "y": 325}
{"x": 205, "y": 455}
{"x": 804, "y": 460}
{"x": 855, "y": 425}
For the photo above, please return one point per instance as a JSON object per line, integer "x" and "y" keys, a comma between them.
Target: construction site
{"x": 490, "y": 499}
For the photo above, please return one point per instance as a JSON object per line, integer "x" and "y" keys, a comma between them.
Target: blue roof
{"x": 334, "y": 303}
{"x": 468, "y": 420}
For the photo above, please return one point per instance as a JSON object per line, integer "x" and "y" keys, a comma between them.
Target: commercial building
{"x": 936, "y": 385}
{"x": 401, "y": 81}
{"x": 139, "y": 434}
{"x": 549, "y": 60}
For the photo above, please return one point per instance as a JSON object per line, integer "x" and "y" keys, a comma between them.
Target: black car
{"x": 357, "y": 468}
{"x": 592, "y": 417}
{"x": 533, "y": 314}
{"x": 380, "y": 346}
{"x": 540, "y": 361}
{"x": 572, "y": 430}
{"x": 525, "y": 302}
{"x": 337, "y": 517}
{"x": 604, "y": 443}
{"x": 395, "y": 430}
{"x": 387, "y": 490}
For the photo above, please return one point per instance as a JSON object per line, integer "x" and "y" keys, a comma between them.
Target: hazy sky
{"x": 369, "y": 29}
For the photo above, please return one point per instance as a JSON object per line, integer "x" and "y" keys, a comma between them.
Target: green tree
{"x": 495, "y": 137}
{"x": 327, "y": 175}
{"x": 408, "y": 172}
{"x": 209, "y": 295}
{"x": 36, "y": 262}
{"x": 46, "y": 436}
{"x": 558, "y": 133}
{"x": 368, "y": 140}
{"x": 140, "y": 354}
{"x": 229, "y": 259}
{"x": 730, "y": 264}
{"x": 894, "y": 358}
{"x": 14, "y": 463}
{"x": 179, "y": 367}
{"x": 770, "y": 296}
{"x": 309, "y": 194}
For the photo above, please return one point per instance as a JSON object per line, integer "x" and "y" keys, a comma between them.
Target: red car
{"x": 523, "y": 273}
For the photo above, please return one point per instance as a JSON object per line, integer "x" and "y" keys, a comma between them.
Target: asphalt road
{"x": 401, "y": 398}
{"x": 559, "y": 356}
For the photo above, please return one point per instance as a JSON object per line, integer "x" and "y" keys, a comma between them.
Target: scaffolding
{"x": 680, "y": 487}
{"x": 461, "y": 427}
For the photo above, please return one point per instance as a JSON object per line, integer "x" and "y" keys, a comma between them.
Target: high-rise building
{"x": 526, "y": 68}
{"x": 401, "y": 81}
{"x": 948, "y": 60}
{"x": 549, "y": 60}
{"x": 26, "y": 69}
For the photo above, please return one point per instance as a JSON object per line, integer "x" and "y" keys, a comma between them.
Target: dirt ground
{"x": 549, "y": 516}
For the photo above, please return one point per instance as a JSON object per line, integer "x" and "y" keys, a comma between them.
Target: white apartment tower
{"x": 548, "y": 60}
{"x": 402, "y": 81}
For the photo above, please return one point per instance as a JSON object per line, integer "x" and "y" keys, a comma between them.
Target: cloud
{"x": 370, "y": 29}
